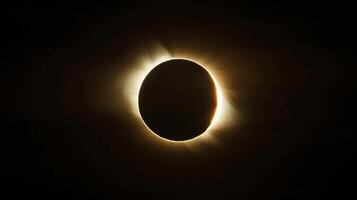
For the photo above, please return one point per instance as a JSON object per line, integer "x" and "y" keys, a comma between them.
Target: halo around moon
{"x": 224, "y": 116}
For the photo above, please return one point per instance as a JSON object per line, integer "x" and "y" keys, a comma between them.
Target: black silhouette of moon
{"x": 178, "y": 100}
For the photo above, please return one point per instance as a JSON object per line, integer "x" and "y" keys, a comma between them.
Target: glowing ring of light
{"x": 216, "y": 112}
{"x": 224, "y": 116}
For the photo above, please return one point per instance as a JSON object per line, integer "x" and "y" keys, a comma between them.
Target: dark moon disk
{"x": 177, "y": 100}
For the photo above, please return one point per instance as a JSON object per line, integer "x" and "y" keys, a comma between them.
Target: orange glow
{"x": 224, "y": 111}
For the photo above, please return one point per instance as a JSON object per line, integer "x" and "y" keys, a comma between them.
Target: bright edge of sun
{"x": 223, "y": 112}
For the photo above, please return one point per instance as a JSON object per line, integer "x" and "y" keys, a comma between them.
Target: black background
{"x": 292, "y": 100}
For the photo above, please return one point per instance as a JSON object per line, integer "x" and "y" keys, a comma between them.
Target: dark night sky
{"x": 285, "y": 64}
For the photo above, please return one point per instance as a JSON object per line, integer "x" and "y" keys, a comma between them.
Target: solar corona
{"x": 212, "y": 117}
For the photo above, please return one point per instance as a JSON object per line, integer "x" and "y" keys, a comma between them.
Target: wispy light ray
{"x": 224, "y": 112}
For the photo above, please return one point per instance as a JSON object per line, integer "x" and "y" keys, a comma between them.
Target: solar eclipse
{"x": 178, "y": 99}
{"x": 220, "y": 114}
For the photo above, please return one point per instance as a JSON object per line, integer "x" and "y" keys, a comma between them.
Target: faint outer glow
{"x": 224, "y": 111}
